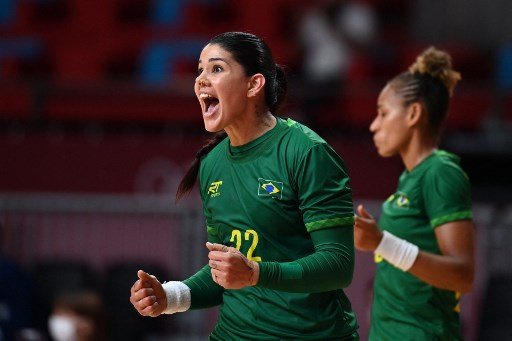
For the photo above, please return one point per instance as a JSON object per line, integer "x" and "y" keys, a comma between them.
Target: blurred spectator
{"x": 78, "y": 316}
{"x": 15, "y": 300}
{"x": 331, "y": 33}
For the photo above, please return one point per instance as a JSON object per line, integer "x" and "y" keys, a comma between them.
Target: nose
{"x": 201, "y": 82}
{"x": 374, "y": 125}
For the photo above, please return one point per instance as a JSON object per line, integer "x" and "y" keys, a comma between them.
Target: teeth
{"x": 205, "y": 96}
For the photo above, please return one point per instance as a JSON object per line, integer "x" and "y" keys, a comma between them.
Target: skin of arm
{"x": 452, "y": 270}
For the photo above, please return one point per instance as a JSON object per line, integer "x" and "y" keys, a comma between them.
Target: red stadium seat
{"x": 468, "y": 108}
{"x": 16, "y": 101}
{"x": 122, "y": 105}
{"x": 472, "y": 62}
{"x": 360, "y": 106}
{"x": 507, "y": 108}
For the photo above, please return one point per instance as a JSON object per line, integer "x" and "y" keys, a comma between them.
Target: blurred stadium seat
{"x": 159, "y": 59}
{"x": 15, "y": 50}
{"x": 16, "y": 101}
{"x": 121, "y": 105}
{"x": 468, "y": 108}
{"x": 504, "y": 68}
{"x": 167, "y": 12}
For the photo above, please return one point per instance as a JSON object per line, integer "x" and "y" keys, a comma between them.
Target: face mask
{"x": 61, "y": 328}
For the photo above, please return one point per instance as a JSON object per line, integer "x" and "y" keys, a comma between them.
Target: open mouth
{"x": 210, "y": 102}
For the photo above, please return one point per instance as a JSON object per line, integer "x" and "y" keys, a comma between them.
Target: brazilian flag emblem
{"x": 270, "y": 188}
{"x": 402, "y": 201}
{"x": 399, "y": 200}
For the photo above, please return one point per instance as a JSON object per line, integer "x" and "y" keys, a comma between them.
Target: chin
{"x": 386, "y": 154}
{"x": 383, "y": 153}
{"x": 211, "y": 127}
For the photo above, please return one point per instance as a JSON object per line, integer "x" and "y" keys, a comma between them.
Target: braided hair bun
{"x": 437, "y": 64}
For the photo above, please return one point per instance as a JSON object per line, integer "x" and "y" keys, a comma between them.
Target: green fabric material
{"x": 435, "y": 192}
{"x": 269, "y": 199}
{"x": 205, "y": 293}
{"x": 330, "y": 267}
{"x": 322, "y": 224}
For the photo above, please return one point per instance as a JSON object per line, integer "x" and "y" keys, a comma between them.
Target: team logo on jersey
{"x": 399, "y": 200}
{"x": 270, "y": 188}
{"x": 213, "y": 190}
{"x": 402, "y": 201}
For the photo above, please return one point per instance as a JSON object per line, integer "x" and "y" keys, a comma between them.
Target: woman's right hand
{"x": 367, "y": 235}
{"x": 147, "y": 295}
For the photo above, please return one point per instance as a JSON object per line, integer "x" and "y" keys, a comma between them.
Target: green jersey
{"x": 265, "y": 198}
{"x": 435, "y": 192}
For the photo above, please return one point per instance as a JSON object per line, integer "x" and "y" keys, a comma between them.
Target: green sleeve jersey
{"x": 264, "y": 198}
{"x": 435, "y": 192}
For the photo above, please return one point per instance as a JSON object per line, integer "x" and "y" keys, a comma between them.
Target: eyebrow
{"x": 215, "y": 59}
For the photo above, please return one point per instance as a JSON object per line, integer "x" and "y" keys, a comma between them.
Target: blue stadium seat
{"x": 7, "y": 12}
{"x": 160, "y": 57}
{"x": 19, "y": 47}
{"x": 504, "y": 68}
{"x": 167, "y": 12}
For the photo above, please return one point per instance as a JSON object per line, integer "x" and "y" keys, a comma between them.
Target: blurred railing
{"x": 105, "y": 230}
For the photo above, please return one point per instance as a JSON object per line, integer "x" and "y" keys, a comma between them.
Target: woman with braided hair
{"x": 278, "y": 208}
{"x": 424, "y": 240}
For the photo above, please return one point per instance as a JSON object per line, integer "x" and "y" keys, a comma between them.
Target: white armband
{"x": 178, "y": 297}
{"x": 397, "y": 251}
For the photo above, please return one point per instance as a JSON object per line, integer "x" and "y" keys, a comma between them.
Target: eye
{"x": 217, "y": 68}
{"x": 199, "y": 70}
{"x": 380, "y": 115}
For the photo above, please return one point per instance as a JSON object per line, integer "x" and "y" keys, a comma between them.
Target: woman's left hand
{"x": 230, "y": 268}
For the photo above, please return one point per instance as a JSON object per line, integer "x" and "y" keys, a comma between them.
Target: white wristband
{"x": 397, "y": 251}
{"x": 178, "y": 297}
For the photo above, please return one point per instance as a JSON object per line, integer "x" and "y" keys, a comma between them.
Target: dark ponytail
{"x": 190, "y": 177}
{"x": 277, "y": 93}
